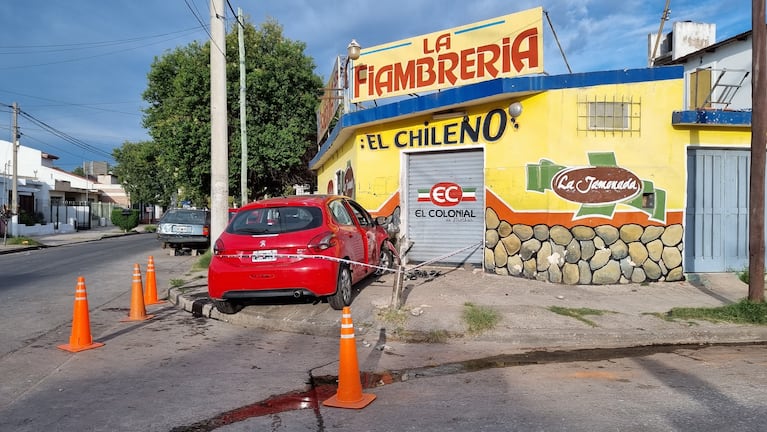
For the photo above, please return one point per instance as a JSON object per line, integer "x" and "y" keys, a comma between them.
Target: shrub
{"x": 125, "y": 219}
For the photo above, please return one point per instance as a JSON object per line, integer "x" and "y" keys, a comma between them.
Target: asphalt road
{"x": 37, "y": 287}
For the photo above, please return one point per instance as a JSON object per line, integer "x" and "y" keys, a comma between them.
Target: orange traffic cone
{"x": 137, "y": 308}
{"x": 151, "y": 285}
{"x": 80, "y": 339}
{"x": 349, "y": 394}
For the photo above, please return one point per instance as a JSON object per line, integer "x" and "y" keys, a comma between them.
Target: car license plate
{"x": 265, "y": 255}
{"x": 181, "y": 229}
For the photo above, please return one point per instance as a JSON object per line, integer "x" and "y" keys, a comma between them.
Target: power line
{"x": 89, "y": 45}
{"x": 199, "y": 20}
{"x": 71, "y": 60}
{"x": 88, "y": 106}
{"x": 64, "y": 136}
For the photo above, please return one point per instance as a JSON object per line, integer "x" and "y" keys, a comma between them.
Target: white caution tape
{"x": 350, "y": 262}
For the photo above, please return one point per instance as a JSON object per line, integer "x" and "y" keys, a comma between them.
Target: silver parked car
{"x": 183, "y": 229}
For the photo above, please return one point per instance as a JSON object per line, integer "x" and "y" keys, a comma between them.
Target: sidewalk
{"x": 433, "y": 312}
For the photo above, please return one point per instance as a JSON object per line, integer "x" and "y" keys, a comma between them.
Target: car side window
{"x": 339, "y": 212}
{"x": 360, "y": 213}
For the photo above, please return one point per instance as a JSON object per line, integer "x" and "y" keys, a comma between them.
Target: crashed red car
{"x": 307, "y": 245}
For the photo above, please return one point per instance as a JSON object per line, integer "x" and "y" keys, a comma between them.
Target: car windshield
{"x": 195, "y": 217}
{"x": 275, "y": 220}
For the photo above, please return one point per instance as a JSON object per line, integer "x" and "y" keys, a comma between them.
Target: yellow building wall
{"x": 553, "y": 129}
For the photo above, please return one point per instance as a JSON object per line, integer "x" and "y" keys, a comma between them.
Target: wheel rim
{"x": 385, "y": 259}
{"x": 345, "y": 286}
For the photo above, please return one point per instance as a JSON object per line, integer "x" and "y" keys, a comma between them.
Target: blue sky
{"x": 80, "y": 66}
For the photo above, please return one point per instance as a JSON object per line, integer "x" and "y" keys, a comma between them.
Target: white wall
{"x": 734, "y": 57}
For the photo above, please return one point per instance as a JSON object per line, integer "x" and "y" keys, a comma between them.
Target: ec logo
{"x": 445, "y": 194}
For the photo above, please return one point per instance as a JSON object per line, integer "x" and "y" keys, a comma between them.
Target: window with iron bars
{"x": 609, "y": 116}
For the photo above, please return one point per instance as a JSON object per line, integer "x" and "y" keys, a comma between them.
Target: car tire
{"x": 385, "y": 259}
{"x": 343, "y": 294}
{"x": 227, "y": 306}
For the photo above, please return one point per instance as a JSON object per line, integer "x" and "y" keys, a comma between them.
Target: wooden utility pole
{"x": 219, "y": 145}
{"x": 756, "y": 245}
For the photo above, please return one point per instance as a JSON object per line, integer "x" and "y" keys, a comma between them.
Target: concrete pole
{"x": 243, "y": 112}
{"x": 219, "y": 145}
{"x": 15, "y": 190}
{"x": 756, "y": 246}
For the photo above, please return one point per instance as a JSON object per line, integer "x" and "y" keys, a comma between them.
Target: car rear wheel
{"x": 227, "y": 306}
{"x": 343, "y": 294}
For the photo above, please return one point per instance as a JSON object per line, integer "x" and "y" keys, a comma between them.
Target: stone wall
{"x": 600, "y": 255}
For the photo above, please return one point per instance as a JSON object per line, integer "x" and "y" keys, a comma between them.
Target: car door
{"x": 368, "y": 227}
{"x": 351, "y": 237}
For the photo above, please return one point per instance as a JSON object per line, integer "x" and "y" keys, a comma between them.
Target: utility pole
{"x": 15, "y": 189}
{"x": 219, "y": 146}
{"x": 243, "y": 112}
{"x": 756, "y": 245}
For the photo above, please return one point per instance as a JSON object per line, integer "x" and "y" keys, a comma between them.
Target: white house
{"x": 59, "y": 200}
{"x": 717, "y": 74}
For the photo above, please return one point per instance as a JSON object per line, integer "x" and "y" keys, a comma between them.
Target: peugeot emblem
{"x": 262, "y": 243}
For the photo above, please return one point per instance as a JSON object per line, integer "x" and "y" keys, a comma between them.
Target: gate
{"x": 73, "y": 213}
{"x": 716, "y": 234}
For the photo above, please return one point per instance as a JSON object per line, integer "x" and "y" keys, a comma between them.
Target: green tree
{"x": 282, "y": 95}
{"x": 142, "y": 173}
{"x": 79, "y": 171}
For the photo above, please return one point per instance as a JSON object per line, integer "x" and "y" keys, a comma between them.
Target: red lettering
{"x": 531, "y": 54}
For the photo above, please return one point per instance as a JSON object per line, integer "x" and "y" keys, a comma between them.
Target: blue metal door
{"x": 716, "y": 237}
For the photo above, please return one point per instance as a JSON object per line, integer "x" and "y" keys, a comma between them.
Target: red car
{"x": 307, "y": 245}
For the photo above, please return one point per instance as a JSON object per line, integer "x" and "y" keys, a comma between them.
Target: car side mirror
{"x": 381, "y": 220}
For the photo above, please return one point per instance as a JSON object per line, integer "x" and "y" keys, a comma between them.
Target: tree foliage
{"x": 282, "y": 94}
{"x": 143, "y": 174}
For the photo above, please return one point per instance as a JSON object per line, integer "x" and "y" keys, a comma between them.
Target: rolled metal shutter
{"x": 445, "y": 224}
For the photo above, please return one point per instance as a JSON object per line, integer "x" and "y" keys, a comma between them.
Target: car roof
{"x": 293, "y": 200}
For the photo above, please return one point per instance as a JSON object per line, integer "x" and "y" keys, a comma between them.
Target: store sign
{"x": 330, "y": 101}
{"x": 598, "y": 188}
{"x": 506, "y": 46}
{"x": 596, "y": 185}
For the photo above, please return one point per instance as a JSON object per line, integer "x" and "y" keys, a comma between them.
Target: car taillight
{"x": 322, "y": 241}
{"x": 205, "y": 230}
{"x": 218, "y": 248}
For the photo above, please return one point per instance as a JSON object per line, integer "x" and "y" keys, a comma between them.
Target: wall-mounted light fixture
{"x": 352, "y": 53}
{"x": 515, "y": 110}
{"x": 444, "y": 115}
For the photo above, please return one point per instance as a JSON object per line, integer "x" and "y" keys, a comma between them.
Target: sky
{"x": 78, "y": 68}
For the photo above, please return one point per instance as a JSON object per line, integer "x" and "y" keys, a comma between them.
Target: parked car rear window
{"x": 195, "y": 217}
{"x": 275, "y": 220}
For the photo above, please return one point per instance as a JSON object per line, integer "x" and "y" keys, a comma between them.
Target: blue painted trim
{"x": 404, "y": 44}
{"x": 500, "y": 86}
{"x": 480, "y": 27}
{"x": 711, "y": 118}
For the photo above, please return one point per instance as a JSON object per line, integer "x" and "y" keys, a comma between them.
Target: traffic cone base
{"x": 78, "y": 348}
{"x": 80, "y": 338}
{"x": 349, "y": 394}
{"x": 137, "y": 308}
{"x": 362, "y": 403}
{"x": 151, "y": 285}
